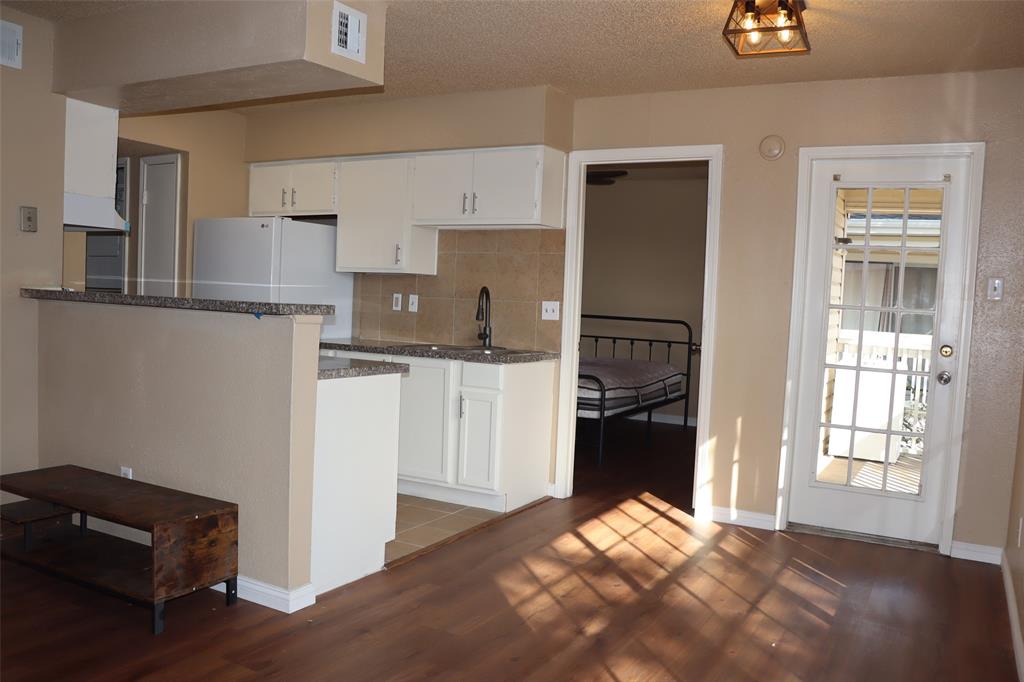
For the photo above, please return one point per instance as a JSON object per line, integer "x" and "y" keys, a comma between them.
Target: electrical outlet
{"x": 994, "y": 291}
{"x": 126, "y": 472}
{"x": 549, "y": 310}
{"x": 28, "y": 218}
{"x": 414, "y": 303}
{"x": 396, "y": 301}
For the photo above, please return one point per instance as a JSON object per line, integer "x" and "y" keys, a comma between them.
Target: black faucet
{"x": 483, "y": 314}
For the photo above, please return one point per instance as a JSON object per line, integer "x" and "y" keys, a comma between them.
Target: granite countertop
{"x": 492, "y": 356}
{"x": 343, "y": 368}
{"x": 252, "y": 307}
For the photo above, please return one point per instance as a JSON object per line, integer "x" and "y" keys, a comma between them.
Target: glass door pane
{"x": 879, "y": 333}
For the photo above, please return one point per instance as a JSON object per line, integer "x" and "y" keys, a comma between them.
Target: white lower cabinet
{"x": 475, "y": 434}
{"x": 426, "y": 416}
{"x": 478, "y": 438}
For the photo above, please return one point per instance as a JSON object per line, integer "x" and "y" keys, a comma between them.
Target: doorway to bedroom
{"x": 641, "y": 310}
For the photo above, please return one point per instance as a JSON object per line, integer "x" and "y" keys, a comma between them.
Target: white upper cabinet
{"x": 506, "y": 187}
{"x": 375, "y": 230}
{"x": 293, "y": 188}
{"x": 442, "y": 188}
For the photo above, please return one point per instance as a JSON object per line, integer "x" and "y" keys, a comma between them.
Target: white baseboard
{"x": 736, "y": 517}
{"x": 984, "y": 553}
{"x": 443, "y": 493}
{"x": 1011, "y": 605}
{"x": 676, "y": 419}
{"x": 272, "y": 596}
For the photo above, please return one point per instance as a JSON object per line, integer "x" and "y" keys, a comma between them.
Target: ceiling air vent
{"x": 348, "y": 32}
{"x": 10, "y": 44}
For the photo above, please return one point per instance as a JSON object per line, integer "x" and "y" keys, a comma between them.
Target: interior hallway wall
{"x": 756, "y": 254}
{"x": 643, "y": 256}
{"x": 31, "y": 174}
{"x": 217, "y": 182}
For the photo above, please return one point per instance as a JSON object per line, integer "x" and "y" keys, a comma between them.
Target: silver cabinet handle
{"x": 293, "y": 196}
{"x": 465, "y": 198}
{"x": 398, "y": 254}
{"x": 284, "y": 193}
{"x": 462, "y": 408}
{"x": 474, "y": 202}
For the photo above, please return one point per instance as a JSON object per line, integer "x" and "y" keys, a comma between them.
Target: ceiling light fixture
{"x": 771, "y": 27}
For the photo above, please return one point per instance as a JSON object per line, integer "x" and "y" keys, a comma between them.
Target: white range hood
{"x": 90, "y": 158}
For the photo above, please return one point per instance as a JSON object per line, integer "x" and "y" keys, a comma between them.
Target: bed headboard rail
{"x": 686, "y": 342}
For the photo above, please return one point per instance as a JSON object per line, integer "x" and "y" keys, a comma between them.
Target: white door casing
{"x": 159, "y": 220}
{"x": 573, "y": 292}
{"x": 822, "y": 406}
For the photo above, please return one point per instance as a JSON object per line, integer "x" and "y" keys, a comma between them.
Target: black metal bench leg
{"x": 231, "y": 591}
{"x": 26, "y": 536}
{"x": 83, "y": 523}
{"x": 158, "y": 617}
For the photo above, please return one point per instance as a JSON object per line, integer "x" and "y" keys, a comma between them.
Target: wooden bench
{"x": 194, "y": 538}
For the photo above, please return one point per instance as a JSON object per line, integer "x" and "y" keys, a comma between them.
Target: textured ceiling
{"x": 605, "y": 47}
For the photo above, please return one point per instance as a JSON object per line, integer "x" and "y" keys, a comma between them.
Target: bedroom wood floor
{"x": 616, "y": 583}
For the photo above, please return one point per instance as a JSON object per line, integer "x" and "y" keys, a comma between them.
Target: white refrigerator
{"x": 279, "y": 260}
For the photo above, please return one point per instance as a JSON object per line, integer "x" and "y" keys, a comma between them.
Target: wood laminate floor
{"x": 617, "y": 583}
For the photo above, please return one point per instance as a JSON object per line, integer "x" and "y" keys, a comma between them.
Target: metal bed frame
{"x": 649, "y": 406}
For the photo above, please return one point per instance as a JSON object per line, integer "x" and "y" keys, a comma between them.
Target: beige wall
{"x": 31, "y": 174}
{"x": 643, "y": 256}
{"x": 521, "y": 268}
{"x": 343, "y": 126}
{"x": 134, "y": 388}
{"x": 757, "y": 233}
{"x": 1014, "y": 552}
{"x": 218, "y": 179}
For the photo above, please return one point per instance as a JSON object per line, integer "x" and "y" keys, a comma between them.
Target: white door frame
{"x": 144, "y": 164}
{"x": 573, "y": 293}
{"x": 975, "y": 154}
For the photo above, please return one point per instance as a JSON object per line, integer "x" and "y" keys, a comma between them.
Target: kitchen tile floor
{"x": 422, "y": 522}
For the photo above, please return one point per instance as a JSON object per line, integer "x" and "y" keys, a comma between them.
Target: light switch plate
{"x": 995, "y": 289}
{"x": 414, "y": 303}
{"x": 28, "y": 218}
{"x": 549, "y": 310}
{"x": 396, "y": 301}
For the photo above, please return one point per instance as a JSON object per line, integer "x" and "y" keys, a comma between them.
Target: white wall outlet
{"x": 126, "y": 472}
{"x": 994, "y": 292}
{"x": 28, "y": 218}
{"x": 396, "y": 301}
{"x": 414, "y": 303}
{"x": 549, "y": 310}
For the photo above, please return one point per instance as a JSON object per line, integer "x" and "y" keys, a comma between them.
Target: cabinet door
{"x": 373, "y": 214}
{"x": 505, "y": 185}
{"x": 312, "y": 188}
{"x": 268, "y": 190}
{"x": 442, "y": 187}
{"x": 478, "y": 439}
{"x": 423, "y": 424}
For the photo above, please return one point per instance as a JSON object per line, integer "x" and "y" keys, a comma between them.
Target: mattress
{"x": 629, "y": 384}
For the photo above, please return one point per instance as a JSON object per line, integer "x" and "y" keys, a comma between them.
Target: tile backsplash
{"x": 520, "y": 267}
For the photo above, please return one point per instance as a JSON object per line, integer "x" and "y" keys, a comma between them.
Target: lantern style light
{"x": 771, "y": 27}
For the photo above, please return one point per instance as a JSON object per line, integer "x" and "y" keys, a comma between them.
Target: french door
{"x": 883, "y": 315}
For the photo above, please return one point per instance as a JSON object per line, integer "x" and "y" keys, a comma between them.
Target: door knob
{"x": 946, "y": 351}
{"x": 944, "y": 377}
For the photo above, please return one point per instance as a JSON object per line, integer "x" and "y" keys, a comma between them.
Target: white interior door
{"x": 160, "y": 182}
{"x": 883, "y": 315}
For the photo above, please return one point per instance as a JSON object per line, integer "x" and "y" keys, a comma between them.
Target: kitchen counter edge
{"x": 345, "y": 368}
{"x": 180, "y": 303}
{"x": 506, "y": 357}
